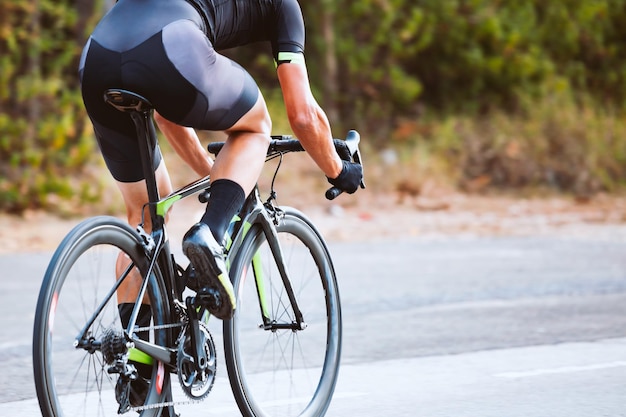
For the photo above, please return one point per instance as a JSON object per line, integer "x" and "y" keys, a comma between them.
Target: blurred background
{"x": 479, "y": 97}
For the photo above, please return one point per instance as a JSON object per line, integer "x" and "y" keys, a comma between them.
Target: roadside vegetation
{"x": 520, "y": 96}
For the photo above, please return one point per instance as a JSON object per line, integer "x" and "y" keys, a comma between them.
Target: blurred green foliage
{"x": 46, "y": 149}
{"x": 399, "y": 57}
{"x": 521, "y": 92}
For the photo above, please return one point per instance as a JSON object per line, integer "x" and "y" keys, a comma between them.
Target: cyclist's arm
{"x": 307, "y": 119}
{"x": 187, "y": 145}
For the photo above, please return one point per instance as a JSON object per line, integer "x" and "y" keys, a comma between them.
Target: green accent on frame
{"x": 260, "y": 283}
{"x": 163, "y": 206}
{"x": 136, "y": 355}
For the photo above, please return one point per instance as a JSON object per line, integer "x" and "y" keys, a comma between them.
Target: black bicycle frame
{"x": 264, "y": 215}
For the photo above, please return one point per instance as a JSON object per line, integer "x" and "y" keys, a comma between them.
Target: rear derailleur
{"x": 131, "y": 389}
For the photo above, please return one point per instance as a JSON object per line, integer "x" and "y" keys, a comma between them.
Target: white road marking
{"x": 561, "y": 370}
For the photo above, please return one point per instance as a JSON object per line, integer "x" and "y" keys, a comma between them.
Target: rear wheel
{"x": 77, "y": 314}
{"x": 284, "y": 372}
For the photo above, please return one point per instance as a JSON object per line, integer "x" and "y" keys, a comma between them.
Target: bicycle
{"x": 282, "y": 347}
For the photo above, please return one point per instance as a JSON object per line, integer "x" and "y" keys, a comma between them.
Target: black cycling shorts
{"x": 163, "y": 55}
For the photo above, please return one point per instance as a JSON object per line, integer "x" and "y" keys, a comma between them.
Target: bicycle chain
{"x": 180, "y": 309}
{"x": 165, "y": 404}
{"x": 159, "y": 327}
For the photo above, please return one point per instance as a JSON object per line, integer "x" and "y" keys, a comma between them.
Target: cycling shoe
{"x": 210, "y": 279}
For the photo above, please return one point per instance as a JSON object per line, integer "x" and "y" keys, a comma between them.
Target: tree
{"x": 46, "y": 147}
{"x": 359, "y": 48}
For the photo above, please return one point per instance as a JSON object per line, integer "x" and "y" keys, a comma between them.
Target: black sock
{"x": 225, "y": 200}
{"x": 143, "y": 317}
{"x": 143, "y": 320}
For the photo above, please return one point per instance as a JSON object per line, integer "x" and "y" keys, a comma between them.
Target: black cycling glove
{"x": 350, "y": 177}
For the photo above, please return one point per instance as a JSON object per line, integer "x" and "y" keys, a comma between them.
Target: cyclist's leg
{"x": 227, "y": 99}
{"x": 246, "y": 146}
{"x": 236, "y": 170}
{"x": 134, "y": 194}
{"x": 123, "y": 167}
{"x": 135, "y": 197}
{"x": 117, "y": 140}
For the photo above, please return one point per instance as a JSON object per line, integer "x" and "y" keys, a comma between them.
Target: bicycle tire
{"x": 72, "y": 381}
{"x": 284, "y": 372}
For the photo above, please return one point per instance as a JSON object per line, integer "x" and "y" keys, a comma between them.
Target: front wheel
{"x": 77, "y": 318}
{"x": 275, "y": 370}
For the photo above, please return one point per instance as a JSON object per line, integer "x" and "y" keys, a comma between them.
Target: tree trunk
{"x": 85, "y": 9}
{"x": 330, "y": 61}
{"x": 34, "y": 73}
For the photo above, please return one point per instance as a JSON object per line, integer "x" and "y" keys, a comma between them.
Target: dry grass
{"x": 555, "y": 146}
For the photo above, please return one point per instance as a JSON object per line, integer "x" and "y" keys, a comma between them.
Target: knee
{"x": 252, "y": 139}
{"x": 263, "y": 140}
{"x": 256, "y": 121}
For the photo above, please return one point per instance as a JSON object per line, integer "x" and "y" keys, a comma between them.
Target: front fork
{"x": 267, "y": 216}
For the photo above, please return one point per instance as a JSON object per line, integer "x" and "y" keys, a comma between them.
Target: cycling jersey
{"x": 239, "y": 22}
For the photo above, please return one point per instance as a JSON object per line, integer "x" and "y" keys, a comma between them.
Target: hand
{"x": 350, "y": 177}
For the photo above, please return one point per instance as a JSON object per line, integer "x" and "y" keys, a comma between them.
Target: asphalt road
{"x": 525, "y": 326}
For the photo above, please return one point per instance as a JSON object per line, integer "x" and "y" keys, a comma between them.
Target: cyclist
{"x": 166, "y": 50}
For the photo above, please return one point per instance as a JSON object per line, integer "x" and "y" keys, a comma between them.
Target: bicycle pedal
{"x": 190, "y": 279}
{"x": 209, "y": 298}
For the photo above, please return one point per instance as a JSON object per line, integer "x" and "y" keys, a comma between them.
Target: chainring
{"x": 196, "y": 385}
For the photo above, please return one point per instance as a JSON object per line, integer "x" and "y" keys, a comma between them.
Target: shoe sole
{"x": 205, "y": 261}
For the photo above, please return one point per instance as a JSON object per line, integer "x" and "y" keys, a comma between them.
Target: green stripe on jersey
{"x": 290, "y": 58}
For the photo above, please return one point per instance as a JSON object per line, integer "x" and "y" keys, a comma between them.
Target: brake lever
{"x": 355, "y": 152}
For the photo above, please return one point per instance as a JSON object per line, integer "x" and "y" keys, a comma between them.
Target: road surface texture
{"x": 445, "y": 313}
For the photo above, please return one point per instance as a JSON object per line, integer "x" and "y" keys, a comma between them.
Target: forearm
{"x": 308, "y": 121}
{"x": 186, "y": 144}
{"x": 316, "y": 138}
